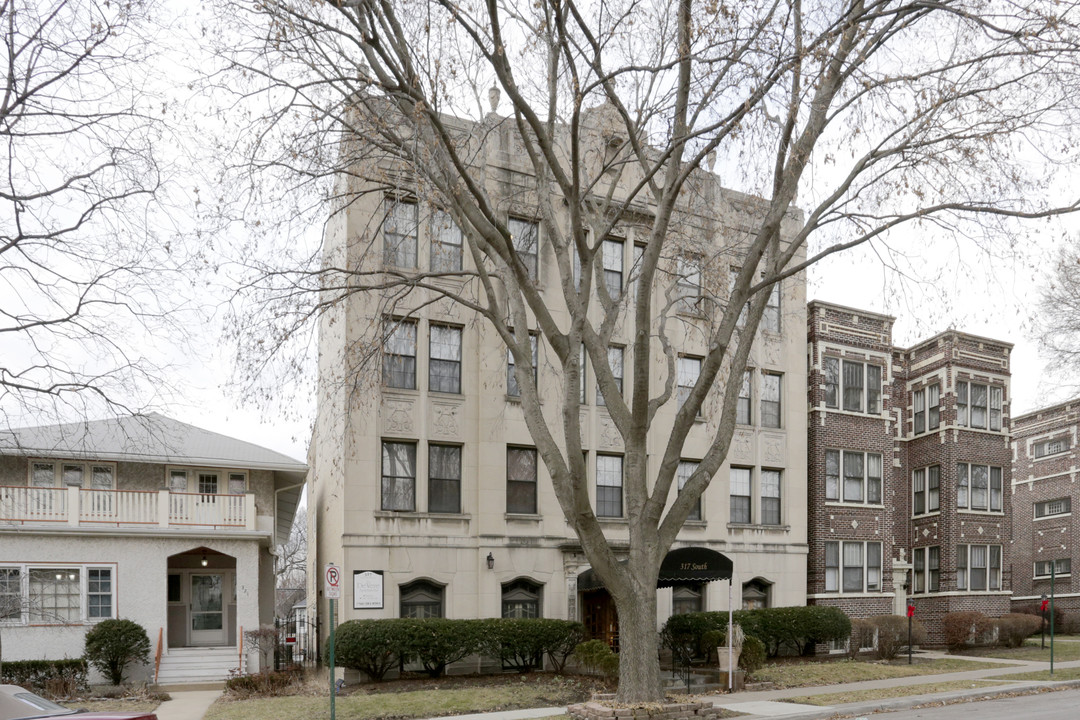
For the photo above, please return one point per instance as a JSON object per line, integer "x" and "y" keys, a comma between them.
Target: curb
{"x": 906, "y": 703}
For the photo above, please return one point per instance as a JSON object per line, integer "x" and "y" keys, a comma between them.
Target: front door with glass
{"x": 207, "y": 609}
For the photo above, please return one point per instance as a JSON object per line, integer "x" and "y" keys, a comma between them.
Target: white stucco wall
{"x": 139, "y": 585}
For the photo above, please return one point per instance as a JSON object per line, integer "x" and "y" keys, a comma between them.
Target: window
{"x": 688, "y": 284}
{"x": 770, "y": 497}
{"x": 398, "y": 476}
{"x": 927, "y": 570}
{"x": 933, "y": 404}
{"x": 208, "y": 483}
{"x": 742, "y": 407}
{"x": 770, "y": 318}
{"x": 976, "y": 404}
{"x": 770, "y": 400}
{"x": 1061, "y": 506}
{"x": 525, "y": 236}
{"x": 613, "y": 266}
{"x": 71, "y": 474}
{"x": 1050, "y": 447}
{"x": 399, "y": 234}
{"x": 399, "y": 354}
{"x": 978, "y": 567}
{"x": 98, "y": 593}
{"x": 444, "y": 359}
{"x": 978, "y": 487}
{"x": 609, "y": 486}
{"x": 421, "y": 599}
{"x": 521, "y": 480}
{"x": 54, "y": 595}
{"x": 689, "y": 371}
{"x": 687, "y": 598}
{"x": 755, "y": 595}
{"x": 861, "y": 477}
{"x": 445, "y": 243}
{"x": 237, "y": 483}
{"x": 919, "y": 402}
{"x": 740, "y": 496}
{"x": 521, "y": 599}
{"x": 178, "y": 481}
{"x": 686, "y": 469}
{"x": 512, "y": 388}
{"x": 1060, "y": 567}
{"x": 926, "y": 490}
{"x": 830, "y": 368}
{"x": 615, "y": 362}
{"x": 852, "y": 567}
{"x": 582, "y": 370}
{"x": 444, "y": 478}
{"x": 11, "y": 605}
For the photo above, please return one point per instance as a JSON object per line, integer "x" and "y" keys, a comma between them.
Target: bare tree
{"x": 1057, "y": 318}
{"x": 84, "y": 284}
{"x": 290, "y": 566}
{"x": 878, "y": 114}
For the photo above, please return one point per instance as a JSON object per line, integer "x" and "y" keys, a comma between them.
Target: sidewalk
{"x": 187, "y": 704}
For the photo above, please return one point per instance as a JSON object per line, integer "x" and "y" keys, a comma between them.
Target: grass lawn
{"x": 1063, "y": 651}
{"x": 511, "y": 695}
{"x": 1059, "y": 674}
{"x": 112, "y": 705}
{"x": 883, "y": 693}
{"x": 789, "y": 675}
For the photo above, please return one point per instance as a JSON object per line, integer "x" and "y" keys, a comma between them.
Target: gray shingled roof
{"x": 149, "y": 438}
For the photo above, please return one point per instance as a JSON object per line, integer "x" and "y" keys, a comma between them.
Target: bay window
{"x": 852, "y": 567}
{"x": 978, "y": 567}
{"x": 861, "y": 477}
{"x": 978, "y": 487}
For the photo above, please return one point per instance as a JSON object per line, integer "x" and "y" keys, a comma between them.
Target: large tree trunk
{"x": 639, "y": 645}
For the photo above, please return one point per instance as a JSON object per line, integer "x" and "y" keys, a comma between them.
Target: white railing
{"x": 76, "y": 506}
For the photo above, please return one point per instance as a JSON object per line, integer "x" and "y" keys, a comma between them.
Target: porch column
{"x": 249, "y": 511}
{"x": 73, "y": 505}
{"x": 163, "y": 508}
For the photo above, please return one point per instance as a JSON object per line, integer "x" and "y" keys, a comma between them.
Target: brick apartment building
{"x": 1044, "y": 489}
{"x": 908, "y": 458}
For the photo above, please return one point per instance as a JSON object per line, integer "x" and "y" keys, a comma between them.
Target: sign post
{"x": 1042, "y": 611}
{"x": 910, "y": 616}
{"x": 333, "y": 593}
{"x": 1053, "y": 568}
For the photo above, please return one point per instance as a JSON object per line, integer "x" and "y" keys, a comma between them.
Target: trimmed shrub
{"x": 798, "y": 628}
{"x": 438, "y": 642}
{"x": 112, "y": 645}
{"x": 968, "y": 629}
{"x": 753, "y": 655}
{"x": 1015, "y": 628}
{"x": 596, "y": 657}
{"x": 892, "y": 635}
{"x": 1069, "y": 623}
{"x": 45, "y": 675}
{"x": 370, "y": 646}
{"x": 563, "y": 637}
{"x": 1033, "y": 609}
{"x": 263, "y": 684}
{"x": 862, "y": 635}
{"x": 521, "y": 643}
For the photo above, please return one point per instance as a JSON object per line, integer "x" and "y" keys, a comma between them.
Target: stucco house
{"x": 144, "y": 518}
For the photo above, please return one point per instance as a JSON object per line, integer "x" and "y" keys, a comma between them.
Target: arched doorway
{"x": 201, "y": 599}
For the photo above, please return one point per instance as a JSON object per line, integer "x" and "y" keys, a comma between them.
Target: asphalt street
{"x": 1061, "y": 705}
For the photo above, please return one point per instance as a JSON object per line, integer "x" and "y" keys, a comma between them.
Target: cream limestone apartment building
{"x": 147, "y": 519}
{"x": 426, "y": 488}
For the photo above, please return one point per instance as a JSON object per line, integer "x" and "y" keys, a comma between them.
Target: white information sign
{"x": 367, "y": 589}
{"x": 333, "y": 582}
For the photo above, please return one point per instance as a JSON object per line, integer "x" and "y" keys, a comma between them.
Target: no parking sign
{"x": 333, "y": 582}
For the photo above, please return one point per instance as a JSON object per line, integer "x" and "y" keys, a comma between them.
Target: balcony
{"x": 77, "y": 507}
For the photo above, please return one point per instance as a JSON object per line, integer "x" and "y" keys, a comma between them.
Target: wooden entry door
{"x": 601, "y": 619}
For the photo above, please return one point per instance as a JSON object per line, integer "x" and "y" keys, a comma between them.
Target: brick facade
{"x": 1041, "y": 482}
{"x": 924, "y": 434}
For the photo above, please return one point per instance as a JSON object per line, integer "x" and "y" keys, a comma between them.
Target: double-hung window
{"x": 521, "y": 480}
{"x": 770, "y": 318}
{"x": 445, "y": 243}
{"x": 1050, "y": 447}
{"x": 444, "y": 478}
{"x": 933, "y": 407}
{"x": 688, "y": 284}
{"x": 609, "y": 486}
{"x": 615, "y": 363}
{"x": 1062, "y": 566}
{"x": 979, "y": 406}
{"x": 978, "y": 567}
{"x": 741, "y": 511}
{"x": 1049, "y": 508}
{"x": 742, "y": 406}
{"x": 852, "y": 567}
{"x": 857, "y": 389}
{"x": 978, "y": 487}
{"x": 525, "y": 236}
{"x": 612, "y": 250}
{"x": 926, "y": 490}
{"x": 919, "y": 411}
{"x": 689, "y": 369}
{"x": 852, "y": 477}
{"x": 512, "y": 388}
{"x": 56, "y": 594}
{"x": 11, "y": 595}
{"x": 399, "y": 234}
{"x": 444, "y": 359}
{"x": 686, "y": 469}
{"x": 398, "y": 476}
{"x": 770, "y": 497}
{"x": 770, "y": 400}
{"x": 399, "y": 354}
{"x": 927, "y": 570}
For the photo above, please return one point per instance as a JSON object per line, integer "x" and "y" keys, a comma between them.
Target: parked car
{"x": 17, "y": 703}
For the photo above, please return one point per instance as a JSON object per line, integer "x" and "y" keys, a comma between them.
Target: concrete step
{"x": 190, "y": 666}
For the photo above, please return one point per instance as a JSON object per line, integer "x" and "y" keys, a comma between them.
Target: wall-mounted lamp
{"x": 491, "y": 561}
{"x": 203, "y": 562}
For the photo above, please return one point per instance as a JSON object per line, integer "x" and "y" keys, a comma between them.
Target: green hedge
{"x": 39, "y": 674}
{"x": 375, "y": 646}
{"x": 795, "y": 628}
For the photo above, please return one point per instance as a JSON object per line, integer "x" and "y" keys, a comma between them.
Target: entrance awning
{"x": 684, "y": 565}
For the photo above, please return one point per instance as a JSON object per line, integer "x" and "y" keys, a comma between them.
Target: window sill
{"x": 612, "y": 520}
{"x": 446, "y": 395}
{"x": 925, "y": 515}
{"x": 414, "y": 515}
{"x": 1058, "y": 516}
{"x": 516, "y": 400}
{"x": 1050, "y": 457}
{"x": 849, "y": 505}
{"x": 990, "y": 513}
{"x": 403, "y": 390}
{"x": 757, "y": 526}
{"x": 1046, "y": 578}
{"x": 854, "y": 413}
{"x": 523, "y": 517}
{"x": 696, "y": 523}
